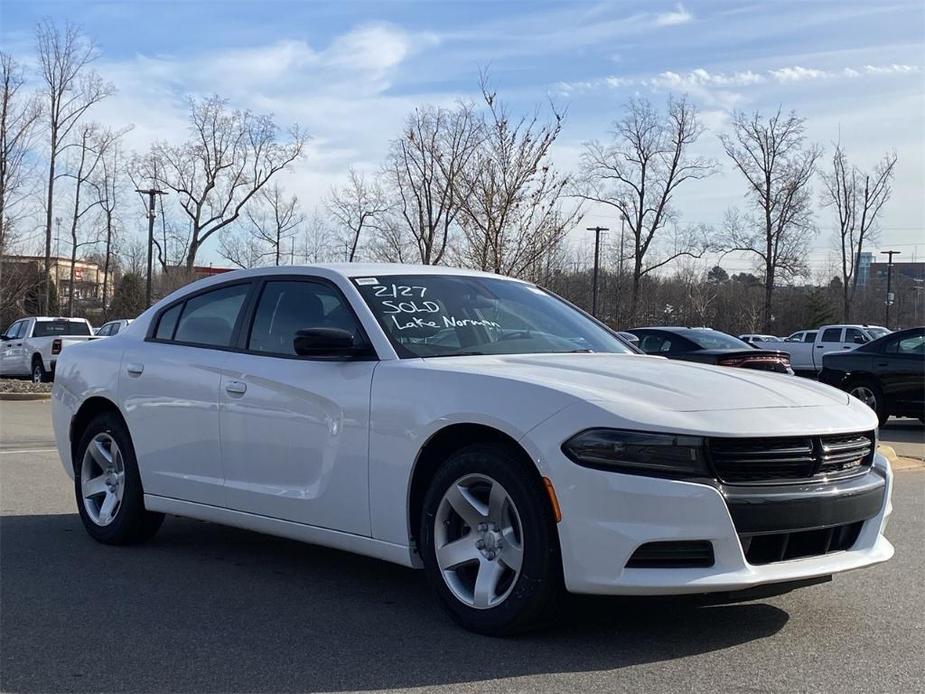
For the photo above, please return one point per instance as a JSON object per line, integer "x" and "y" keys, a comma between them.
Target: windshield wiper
{"x": 455, "y": 354}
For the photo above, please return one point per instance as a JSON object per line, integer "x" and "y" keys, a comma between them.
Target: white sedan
{"x": 475, "y": 426}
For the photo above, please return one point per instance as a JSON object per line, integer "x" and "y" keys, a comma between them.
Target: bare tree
{"x": 134, "y": 255}
{"x": 423, "y": 173}
{"x": 509, "y": 194}
{"x": 857, "y": 198}
{"x": 231, "y": 156}
{"x": 356, "y": 206}
{"x": 638, "y": 173}
{"x": 274, "y": 219}
{"x": 778, "y": 166}
{"x": 107, "y": 185}
{"x": 92, "y": 143}
{"x": 19, "y": 116}
{"x": 317, "y": 242}
{"x": 69, "y": 90}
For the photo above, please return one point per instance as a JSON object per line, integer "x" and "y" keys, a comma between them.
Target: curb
{"x": 25, "y": 396}
{"x": 898, "y": 462}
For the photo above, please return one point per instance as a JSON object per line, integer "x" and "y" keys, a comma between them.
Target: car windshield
{"x": 48, "y": 328}
{"x": 877, "y": 333}
{"x": 713, "y": 339}
{"x": 457, "y": 315}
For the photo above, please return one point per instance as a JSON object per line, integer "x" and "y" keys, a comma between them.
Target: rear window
{"x": 167, "y": 323}
{"x": 713, "y": 339}
{"x": 49, "y": 328}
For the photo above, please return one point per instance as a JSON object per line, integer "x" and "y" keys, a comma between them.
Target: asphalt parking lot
{"x": 204, "y": 608}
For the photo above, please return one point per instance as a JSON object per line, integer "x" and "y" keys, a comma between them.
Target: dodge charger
{"x": 477, "y": 427}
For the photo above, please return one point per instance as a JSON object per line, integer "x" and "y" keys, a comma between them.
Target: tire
{"x": 107, "y": 485}
{"x": 39, "y": 375}
{"x": 870, "y": 393}
{"x": 518, "y": 529}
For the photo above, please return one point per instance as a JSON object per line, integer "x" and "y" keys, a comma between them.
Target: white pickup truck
{"x": 30, "y": 346}
{"x": 806, "y": 347}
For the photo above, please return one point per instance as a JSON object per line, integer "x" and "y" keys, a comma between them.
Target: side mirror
{"x": 4, "y": 337}
{"x": 859, "y": 339}
{"x": 325, "y": 342}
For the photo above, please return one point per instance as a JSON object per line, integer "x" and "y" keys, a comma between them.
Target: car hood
{"x": 657, "y": 382}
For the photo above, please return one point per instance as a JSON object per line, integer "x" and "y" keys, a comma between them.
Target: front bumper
{"x": 606, "y": 516}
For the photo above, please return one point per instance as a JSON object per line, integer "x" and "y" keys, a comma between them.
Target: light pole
{"x": 151, "y": 193}
{"x": 889, "y": 284}
{"x": 597, "y": 257}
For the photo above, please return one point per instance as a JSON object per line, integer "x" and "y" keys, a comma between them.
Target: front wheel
{"x": 107, "y": 484}
{"x": 489, "y": 541}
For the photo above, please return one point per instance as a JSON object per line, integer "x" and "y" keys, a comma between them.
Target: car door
{"x": 10, "y": 356}
{"x": 831, "y": 340}
{"x": 900, "y": 367}
{"x": 169, "y": 387}
{"x": 295, "y": 430}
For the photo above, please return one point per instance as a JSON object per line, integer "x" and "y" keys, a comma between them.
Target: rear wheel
{"x": 39, "y": 375}
{"x": 110, "y": 498}
{"x": 871, "y": 395}
{"x": 489, "y": 541}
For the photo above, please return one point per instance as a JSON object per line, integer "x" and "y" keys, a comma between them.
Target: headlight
{"x": 639, "y": 453}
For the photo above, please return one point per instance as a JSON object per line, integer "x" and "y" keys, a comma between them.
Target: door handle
{"x": 236, "y": 387}
{"x": 883, "y": 363}
{"x": 819, "y": 346}
{"x": 134, "y": 369}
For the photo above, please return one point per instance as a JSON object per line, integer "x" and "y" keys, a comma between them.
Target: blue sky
{"x": 350, "y": 71}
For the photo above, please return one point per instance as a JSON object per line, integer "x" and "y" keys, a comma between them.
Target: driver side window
{"x": 285, "y": 307}
{"x": 13, "y": 331}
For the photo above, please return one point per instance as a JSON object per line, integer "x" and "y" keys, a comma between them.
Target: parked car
{"x": 31, "y": 346}
{"x": 709, "y": 346}
{"x": 533, "y": 451}
{"x": 113, "y": 327}
{"x": 754, "y": 339}
{"x": 629, "y": 337}
{"x": 887, "y": 375}
{"x": 806, "y": 355}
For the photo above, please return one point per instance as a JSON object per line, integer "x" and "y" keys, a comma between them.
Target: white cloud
{"x": 891, "y": 69}
{"x": 679, "y": 16}
{"x": 700, "y": 77}
{"x": 797, "y": 74}
{"x": 376, "y": 47}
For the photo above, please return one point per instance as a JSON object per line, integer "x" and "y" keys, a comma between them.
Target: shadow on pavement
{"x": 209, "y": 608}
{"x": 902, "y": 431}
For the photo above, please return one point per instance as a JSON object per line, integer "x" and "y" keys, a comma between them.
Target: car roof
{"x": 45, "y": 319}
{"x": 351, "y": 270}
{"x": 672, "y": 328}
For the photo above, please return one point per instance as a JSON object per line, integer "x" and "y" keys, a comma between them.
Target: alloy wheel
{"x": 478, "y": 538}
{"x": 865, "y": 395}
{"x": 102, "y": 479}
{"x": 36, "y": 374}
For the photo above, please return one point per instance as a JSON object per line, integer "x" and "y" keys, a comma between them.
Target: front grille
{"x": 765, "y": 549}
{"x": 790, "y": 459}
{"x": 675, "y": 554}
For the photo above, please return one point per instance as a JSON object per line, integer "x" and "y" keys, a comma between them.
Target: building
{"x": 912, "y": 271}
{"x": 865, "y": 260}
{"x": 87, "y": 281}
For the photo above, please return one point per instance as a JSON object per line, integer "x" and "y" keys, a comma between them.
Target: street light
{"x": 889, "y": 284}
{"x": 151, "y": 193}
{"x": 597, "y": 255}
